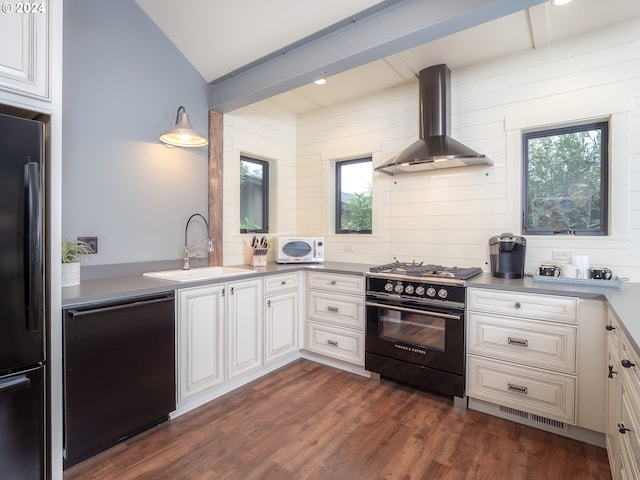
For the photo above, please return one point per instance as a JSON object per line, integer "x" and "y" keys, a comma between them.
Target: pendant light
{"x": 183, "y": 134}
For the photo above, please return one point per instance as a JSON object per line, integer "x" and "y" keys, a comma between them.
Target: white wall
{"x": 123, "y": 83}
{"x": 266, "y": 132}
{"x": 448, "y": 217}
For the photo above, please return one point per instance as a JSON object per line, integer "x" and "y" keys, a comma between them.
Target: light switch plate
{"x": 560, "y": 254}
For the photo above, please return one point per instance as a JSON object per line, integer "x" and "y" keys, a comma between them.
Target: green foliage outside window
{"x": 566, "y": 180}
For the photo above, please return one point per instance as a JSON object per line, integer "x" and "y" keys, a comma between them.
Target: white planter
{"x": 70, "y": 274}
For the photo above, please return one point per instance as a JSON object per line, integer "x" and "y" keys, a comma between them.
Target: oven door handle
{"x": 413, "y": 310}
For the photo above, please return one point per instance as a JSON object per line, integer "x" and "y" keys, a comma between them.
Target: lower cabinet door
{"x": 522, "y": 388}
{"x": 200, "y": 339}
{"x": 336, "y": 342}
{"x": 281, "y": 325}
{"x": 244, "y": 326}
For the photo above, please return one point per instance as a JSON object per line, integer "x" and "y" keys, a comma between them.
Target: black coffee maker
{"x": 507, "y": 253}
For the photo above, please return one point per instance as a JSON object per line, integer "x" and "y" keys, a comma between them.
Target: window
{"x": 254, "y": 195}
{"x": 353, "y": 196}
{"x": 566, "y": 180}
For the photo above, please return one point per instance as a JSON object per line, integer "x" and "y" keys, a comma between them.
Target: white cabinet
{"x": 281, "y": 315}
{"x": 336, "y": 316}
{"x": 218, "y": 325}
{"x": 24, "y": 56}
{"x": 244, "y": 326}
{"x": 537, "y": 356}
{"x": 623, "y": 408}
{"x": 201, "y": 317}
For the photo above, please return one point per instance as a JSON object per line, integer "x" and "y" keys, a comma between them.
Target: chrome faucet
{"x": 188, "y": 254}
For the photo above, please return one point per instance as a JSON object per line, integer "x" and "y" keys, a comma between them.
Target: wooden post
{"x": 215, "y": 185}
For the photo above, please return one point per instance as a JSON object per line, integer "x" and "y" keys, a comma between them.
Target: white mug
{"x": 570, "y": 270}
{"x": 582, "y": 262}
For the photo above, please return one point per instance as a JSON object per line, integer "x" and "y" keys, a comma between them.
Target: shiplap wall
{"x": 448, "y": 217}
{"x": 266, "y": 132}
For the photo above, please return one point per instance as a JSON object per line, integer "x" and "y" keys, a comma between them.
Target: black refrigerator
{"x": 22, "y": 359}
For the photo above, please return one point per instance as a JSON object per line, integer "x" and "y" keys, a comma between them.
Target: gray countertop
{"x": 113, "y": 282}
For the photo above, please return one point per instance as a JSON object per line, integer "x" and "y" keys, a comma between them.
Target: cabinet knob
{"x": 268, "y": 303}
{"x": 333, "y": 282}
{"x": 283, "y": 282}
{"x": 517, "y": 305}
{"x": 232, "y": 291}
{"x": 627, "y": 364}
{"x": 609, "y": 328}
{"x": 622, "y": 429}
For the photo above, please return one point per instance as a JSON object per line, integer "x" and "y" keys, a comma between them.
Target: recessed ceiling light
{"x": 560, "y": 2}
{"x": 320, "y": 81}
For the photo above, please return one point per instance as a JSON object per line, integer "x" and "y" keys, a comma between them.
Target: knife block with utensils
{"x": 259, "y": 251}
{"x": 259, "y": 257}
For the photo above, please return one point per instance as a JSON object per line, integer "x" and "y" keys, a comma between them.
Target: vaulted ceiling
{"x": 250, "y": 50}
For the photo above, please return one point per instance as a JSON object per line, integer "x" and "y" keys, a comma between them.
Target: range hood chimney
{"x": 435, "y": 149}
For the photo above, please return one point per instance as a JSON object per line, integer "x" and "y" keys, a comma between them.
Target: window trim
{"x": 265, "y": 194}
{"x": 605, "y": 201}
{"x": 338, "y": 194}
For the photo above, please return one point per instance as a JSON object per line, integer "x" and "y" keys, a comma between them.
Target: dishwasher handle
{"x": 114, "y": 307}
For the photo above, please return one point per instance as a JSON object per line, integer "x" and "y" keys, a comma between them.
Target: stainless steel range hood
{"x": 435, "y": 149}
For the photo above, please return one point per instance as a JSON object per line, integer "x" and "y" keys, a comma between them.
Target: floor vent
{"x": 533, "y": 419}
{"x": 513, "y": 412}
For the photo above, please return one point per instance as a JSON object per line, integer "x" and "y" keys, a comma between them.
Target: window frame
{"x": 338, "y": 194}
{"x": 605, "y": 201}
{"x": 265, "y": 194}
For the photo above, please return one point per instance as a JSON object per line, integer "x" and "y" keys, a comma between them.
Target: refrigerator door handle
{"x": 33, "y": 222}
{"x": 14, "y": 383}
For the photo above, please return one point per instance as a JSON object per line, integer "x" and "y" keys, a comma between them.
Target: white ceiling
{"x": 220, "y": 36}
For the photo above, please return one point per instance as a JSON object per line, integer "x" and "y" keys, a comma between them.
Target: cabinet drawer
{"x": 630, "y": 440}
{"x": 336, "y": 282}
{"x": 631, "y": 373}
{"x": 336, "y": 342}
{"x": 279, "y": 283}
{"x": 528, "y": 342}
{"x": 525, "y": 305}
{"x": 522, "y": 388}
{"x": 342, "y": 310}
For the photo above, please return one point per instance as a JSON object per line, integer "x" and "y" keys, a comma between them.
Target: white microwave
{"x": 300, "y": 250}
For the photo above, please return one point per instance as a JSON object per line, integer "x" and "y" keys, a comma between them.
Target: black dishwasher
{"x": 119, "y": 371}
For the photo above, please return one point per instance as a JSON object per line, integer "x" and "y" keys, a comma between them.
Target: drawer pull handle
{"x": 521, "y": 342}
{"x": 622, "y": 429}
{"x": 517, "y": 305}
{"x": 283, "y": 282}
{"x": 517, "y": 388}
{"x": 611, "y": 371}
{"x": 333, "y": 343}
{"x": 609, "y": 328}
{"x": 333, "y": 309}
{"x": 627, "y": 364}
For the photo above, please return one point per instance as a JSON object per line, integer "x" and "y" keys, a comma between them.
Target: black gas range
{"x": 415, "y": 324}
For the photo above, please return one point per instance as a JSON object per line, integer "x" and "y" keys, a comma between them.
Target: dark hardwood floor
{"x": 309, "y": 421}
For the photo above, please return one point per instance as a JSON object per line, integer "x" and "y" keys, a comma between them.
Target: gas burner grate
{"x": 428, "y": 271}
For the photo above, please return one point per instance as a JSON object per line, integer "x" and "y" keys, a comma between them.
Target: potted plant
{"x": 71, "y": 250}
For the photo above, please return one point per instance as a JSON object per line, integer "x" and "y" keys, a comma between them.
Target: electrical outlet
{"x": 560, "y": 254}
{"x": 348, "y": 247}
{"x": 91, "y": 241}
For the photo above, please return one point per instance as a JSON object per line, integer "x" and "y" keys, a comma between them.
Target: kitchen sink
{"x": 202, "y": 273}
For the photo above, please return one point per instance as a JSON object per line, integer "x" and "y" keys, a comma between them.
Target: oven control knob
{"x": 408, "y": 289}
{"x": 442, "y": 293}
{"x": 399, "y": 288}
{"x": 389, "y": 287}
{"x": 431, "y": 292}
{"x": 420, "y": 290}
